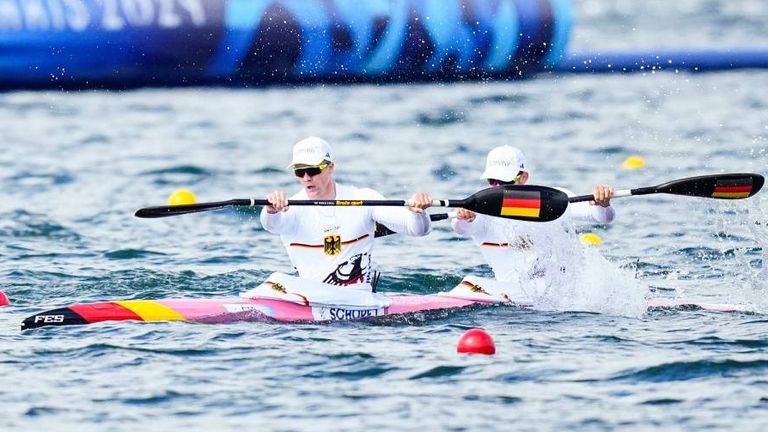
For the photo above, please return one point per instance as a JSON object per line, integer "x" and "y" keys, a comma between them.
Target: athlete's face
{"x": 319, "y": 186}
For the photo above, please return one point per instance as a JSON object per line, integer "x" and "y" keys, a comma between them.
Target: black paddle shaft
{"x": 165, "y": 211}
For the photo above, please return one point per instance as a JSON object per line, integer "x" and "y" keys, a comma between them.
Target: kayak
{"x": 283, "y": 298}
{"x": 227, "y": 310}
{"x": 279, "y": 298}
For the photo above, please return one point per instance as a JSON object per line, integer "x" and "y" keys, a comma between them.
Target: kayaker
{"x": 512, "y": 247}
{"x": 334, "y": 244}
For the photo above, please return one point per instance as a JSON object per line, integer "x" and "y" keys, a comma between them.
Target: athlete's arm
{"x": 601, "y": 211}
{"x": 469, "y": 226}
{"x": 404, "y": 221}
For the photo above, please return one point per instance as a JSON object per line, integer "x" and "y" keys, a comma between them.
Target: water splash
{"x": 757, "y": 224}
{"x": 742, "y": 230}
{"x": 563, "y": 275}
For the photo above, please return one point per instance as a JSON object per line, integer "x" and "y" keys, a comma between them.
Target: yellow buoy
{"x": 633, "y": 163}
{"x": 182, "y": 196}
{"x": 590, "y": 239}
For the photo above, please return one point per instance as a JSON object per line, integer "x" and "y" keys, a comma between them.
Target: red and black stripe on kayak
{"x": 80, "y": 315}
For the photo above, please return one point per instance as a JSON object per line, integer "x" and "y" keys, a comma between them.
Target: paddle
{"x": 719, "y": 186}
{"x": 520, "y": 202}
{"x": 528, "y": 203}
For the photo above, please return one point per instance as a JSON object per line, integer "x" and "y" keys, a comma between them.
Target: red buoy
{"x": 476, "y": 341}
{"x": 4, "y": 299}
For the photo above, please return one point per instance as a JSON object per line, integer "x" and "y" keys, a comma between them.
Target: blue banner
{"x": 116, "y": 43}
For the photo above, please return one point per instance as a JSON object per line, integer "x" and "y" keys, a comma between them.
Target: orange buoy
{"x": 4, "y": 299}
{"x": 476, "y": 341}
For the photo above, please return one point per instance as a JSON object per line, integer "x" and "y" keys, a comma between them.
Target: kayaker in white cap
{"x": 334, "y": 244}
{"x": 509, "y": 244}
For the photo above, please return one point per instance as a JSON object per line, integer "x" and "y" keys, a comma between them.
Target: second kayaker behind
{"x": 516, "y": 249}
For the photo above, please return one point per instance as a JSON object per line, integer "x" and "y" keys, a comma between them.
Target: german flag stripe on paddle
{"x": 521, "y": 203}
{"x": 733, "y": 188}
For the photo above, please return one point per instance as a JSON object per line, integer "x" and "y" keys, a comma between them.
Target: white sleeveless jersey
{"x": 517, "y": 248}
{"x": 334, "y": 244}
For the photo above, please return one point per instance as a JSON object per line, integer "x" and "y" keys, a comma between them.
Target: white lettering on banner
{"x": 56, "y": 11}
{"x": 167, "y": 16}
{"x": 35, "y": 16}
{"x": 110, "y": 18}
{"x": 166, "y": 13}
{"x": 343, "y": 314}
{"x": 195, "y": 10}
{"x": 138, "y": 12}
{"x": 112, "y": 15}
{"x": 77, "y": 14}
{"x": 10, "y": 15}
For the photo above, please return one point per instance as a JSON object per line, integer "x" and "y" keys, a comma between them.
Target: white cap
{"x": 504, "y": 163}
{"x": 311, "y": 151}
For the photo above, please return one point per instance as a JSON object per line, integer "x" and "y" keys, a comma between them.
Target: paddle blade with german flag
{"x": 720, "y": 186}
{"x": 526, "y": 202}
{"x": 734, "y": 188}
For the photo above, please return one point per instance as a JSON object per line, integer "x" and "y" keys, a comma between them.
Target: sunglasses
{"x": 312, "y": 171}
{"x": 495, "y": 183}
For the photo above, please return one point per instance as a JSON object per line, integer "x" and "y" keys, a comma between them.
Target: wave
{"x": 687, "y": 371}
